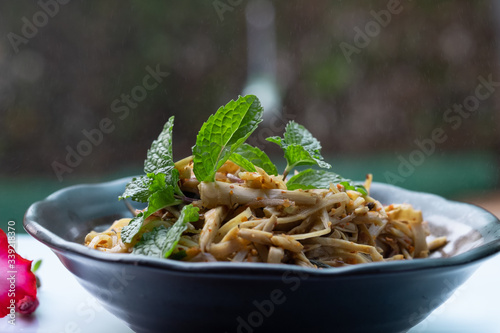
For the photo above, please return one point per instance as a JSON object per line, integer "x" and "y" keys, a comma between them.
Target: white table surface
{"x": 65, "y": 307}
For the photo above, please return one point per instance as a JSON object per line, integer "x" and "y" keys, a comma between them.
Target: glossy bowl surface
{"x": 159, "y": 295}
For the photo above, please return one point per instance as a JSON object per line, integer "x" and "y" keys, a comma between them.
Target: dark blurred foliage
{"x": 65, "y": 79}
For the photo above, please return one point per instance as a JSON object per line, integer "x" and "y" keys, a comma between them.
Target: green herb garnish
{"x": 256, "y": 157}
{"x": 161, "y": 241}
{"x": 159, "y": 158}
{"x": 223, "y": 133}
{"x": 221, "y": 138}
{"x": 311, "y": 179}
{"x": 158, "y": 187}
{"x": 300, "y": 147}
{"x": 356, "y": 187}
{"x": 151, "y": 243}
{"x": 242, "y": 162}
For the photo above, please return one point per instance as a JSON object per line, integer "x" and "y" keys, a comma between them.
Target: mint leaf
{"x": 154, "y": 187}
{"x": 162, "y": 193}
{"x": 151, "y": 243}
{"x": 134, "y": 226}
{"x": 159, "y": 156}
{"x": 275, "y": 139}
{"x": 161, "y": 241}
{"x": 223, "y": 133}
{"x": 296, "y": 155}
{"x": 311, "y": 179}
{"x": 257, "y": 157}
{"x": 137, "y": 189}
{"x": 242, "y": 162}
{"x": 353, "y": 187}
{"x": 300, "y": 147}
{"x": 189, "y": 213}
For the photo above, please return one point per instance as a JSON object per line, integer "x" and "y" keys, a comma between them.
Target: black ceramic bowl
{"x": 159, "y": 295}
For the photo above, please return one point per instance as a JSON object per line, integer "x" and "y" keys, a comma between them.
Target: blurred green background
{"x": 372, "y": 80}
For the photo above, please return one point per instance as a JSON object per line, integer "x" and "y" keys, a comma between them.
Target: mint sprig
{"x": 223, "y": 133}
{"x": 158, "y": 187}
{"x": 161, "y": 242}
{"x": 300, "y": 147}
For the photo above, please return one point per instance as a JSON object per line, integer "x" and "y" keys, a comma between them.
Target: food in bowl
{"x": 151, "y": 293}
{"x": 227, "y": 202}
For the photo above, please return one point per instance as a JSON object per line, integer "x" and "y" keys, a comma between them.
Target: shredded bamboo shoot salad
{"x": 227, "y": 202}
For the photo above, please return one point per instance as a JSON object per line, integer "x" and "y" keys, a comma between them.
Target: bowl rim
{"x": 65, "y": 247}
